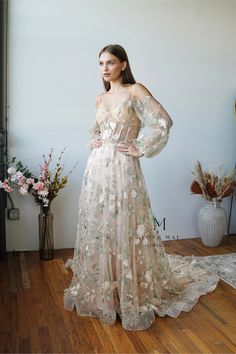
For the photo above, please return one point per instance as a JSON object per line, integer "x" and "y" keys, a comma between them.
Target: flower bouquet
{"x": 44, "y": 189}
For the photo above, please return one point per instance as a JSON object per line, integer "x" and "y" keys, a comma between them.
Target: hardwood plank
{"x": 14, "y": 330}
{"x": 223, "y": 348}
{"x": 5, "y": 344}
{"x": 24, "y": 271}
{"x": 175, "y": 330}
{"x": 45, "y": 318}
{"x": 145, "y": 341}
{"x": 45, "y": 340}
{"x": 4, "y": 280}
{"x": 76, "y": 329}
{"x": 190, "y": 345}
{"x": 25, "y": 346}
{"x": 94, "y": 338}
{"x": 59, "y": 340}
{"x": 227, "y": 333}
{"x": 56, "y": 288}
{"x": 197, "y": 341}
{"x": 107, "y": 346}
{"x": 217, "y": 304}
{"x": 12, "y": 272}
{"x": 199, "y": 321}
{"x": 61, "y": 266}
{"x": 120, "y": 339}
{"x": 34, "y": 325}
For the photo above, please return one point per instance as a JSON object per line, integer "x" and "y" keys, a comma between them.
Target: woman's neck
{"x": 116, "y": 87}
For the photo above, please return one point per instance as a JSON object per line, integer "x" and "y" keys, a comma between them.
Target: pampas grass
{"x": 213, "y": 185}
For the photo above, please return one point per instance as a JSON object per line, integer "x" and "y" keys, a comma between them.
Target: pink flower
{"x": 24, "y": 189}
{"x": 44, "y": 170}
{"x": 30, "y": 181}
{"x": 39, "y": 186}
{"x": 21, "y": 181}
{"x": 6, "y": 186}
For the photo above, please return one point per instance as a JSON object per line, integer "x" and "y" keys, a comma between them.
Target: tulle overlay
{"x": 120, "y": 265}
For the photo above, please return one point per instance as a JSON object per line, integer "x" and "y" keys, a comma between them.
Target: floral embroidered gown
{"x": 119, "y": 264}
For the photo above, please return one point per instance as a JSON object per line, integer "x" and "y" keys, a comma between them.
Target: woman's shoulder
{"x": 139, "y": 90}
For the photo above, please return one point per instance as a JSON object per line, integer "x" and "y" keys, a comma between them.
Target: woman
{"x": 119, "y": 264}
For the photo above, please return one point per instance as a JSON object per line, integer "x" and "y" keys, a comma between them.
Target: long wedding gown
{"x": 119, "y": 264}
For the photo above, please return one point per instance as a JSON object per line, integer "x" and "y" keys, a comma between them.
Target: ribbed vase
{"x": 212, "y": 222}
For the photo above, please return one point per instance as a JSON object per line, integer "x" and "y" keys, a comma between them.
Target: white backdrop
{"x": 182, "y": 51}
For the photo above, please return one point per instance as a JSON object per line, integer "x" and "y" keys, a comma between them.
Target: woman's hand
{"x": 128, "y": 149}
{"x": 96, "y": 143}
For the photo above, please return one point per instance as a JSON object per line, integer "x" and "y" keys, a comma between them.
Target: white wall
{"x": 183, "y": 51}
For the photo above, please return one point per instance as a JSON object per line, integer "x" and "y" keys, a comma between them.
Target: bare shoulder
{"x": 139, "y": 90}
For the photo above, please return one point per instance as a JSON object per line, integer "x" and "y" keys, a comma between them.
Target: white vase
{"x": 212, "y": 222}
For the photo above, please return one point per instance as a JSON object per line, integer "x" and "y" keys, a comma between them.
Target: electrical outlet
{"x": 13, "y": 214}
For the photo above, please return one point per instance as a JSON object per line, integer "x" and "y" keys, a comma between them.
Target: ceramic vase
{"x": 212, "y": 222}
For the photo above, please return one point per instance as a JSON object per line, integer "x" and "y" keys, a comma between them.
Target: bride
{"x": 120, "y": 265}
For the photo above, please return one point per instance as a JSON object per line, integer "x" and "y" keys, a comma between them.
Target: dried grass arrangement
{"x": 213, "y": 185}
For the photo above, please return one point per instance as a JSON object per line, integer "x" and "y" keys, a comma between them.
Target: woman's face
{"x": 110, "y": 66}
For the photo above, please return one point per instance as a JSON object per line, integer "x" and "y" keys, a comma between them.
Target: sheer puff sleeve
{"x": 152, "y": 115}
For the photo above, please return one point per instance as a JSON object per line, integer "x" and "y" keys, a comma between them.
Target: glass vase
{"x": 46, "y": 247}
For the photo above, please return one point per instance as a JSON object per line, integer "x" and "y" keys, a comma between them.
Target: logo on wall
{"x": 157, "y": 226}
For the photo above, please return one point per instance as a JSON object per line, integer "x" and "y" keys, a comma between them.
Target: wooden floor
{"x": 33, "y": 320}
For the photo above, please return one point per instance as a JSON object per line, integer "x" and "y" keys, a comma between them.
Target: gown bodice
{"x": 124, "y": 121}
{"x": 119, "y": 123}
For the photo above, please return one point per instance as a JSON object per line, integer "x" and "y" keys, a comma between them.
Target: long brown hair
{"x": 119, "y": 52}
